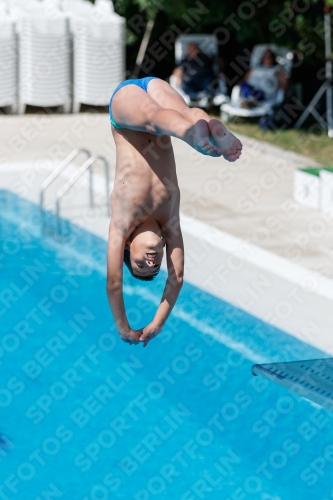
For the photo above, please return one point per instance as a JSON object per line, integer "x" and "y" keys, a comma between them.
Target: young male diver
{"x": 145, "y": 114}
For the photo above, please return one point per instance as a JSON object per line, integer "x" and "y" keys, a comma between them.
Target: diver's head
{"x": 143, "y": 252}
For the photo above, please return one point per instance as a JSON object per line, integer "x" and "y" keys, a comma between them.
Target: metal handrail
{"x": 57, "y": 172}
{"x": 73, "y": 180}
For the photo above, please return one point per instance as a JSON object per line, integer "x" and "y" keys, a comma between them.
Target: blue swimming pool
{"x": 85, "y": 416}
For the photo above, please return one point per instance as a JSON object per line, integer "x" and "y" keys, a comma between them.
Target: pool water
{"x": 85, "y": 416}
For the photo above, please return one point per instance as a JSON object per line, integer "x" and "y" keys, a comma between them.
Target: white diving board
{"x": 312, "y": 379}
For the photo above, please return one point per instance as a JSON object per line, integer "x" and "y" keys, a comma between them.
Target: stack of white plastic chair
{"x": 8, "y": 59}
{"x": 98, "y": 49}
{"x": 44, "y": 55}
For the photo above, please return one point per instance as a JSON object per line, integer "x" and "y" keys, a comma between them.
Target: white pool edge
{"x": 259, "y": 257}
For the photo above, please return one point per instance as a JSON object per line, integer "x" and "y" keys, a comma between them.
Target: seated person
{"x": 263, "y": 82}
{"x": 145, "y": 114}
{"x": 195, "y": 72}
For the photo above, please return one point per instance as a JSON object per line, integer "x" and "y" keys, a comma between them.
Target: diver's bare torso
{"x": 146, "y": 185}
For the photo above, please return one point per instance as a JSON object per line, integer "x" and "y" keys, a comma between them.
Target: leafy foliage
{"x": 238, "y": 24}
{"x": 282, "y": 21}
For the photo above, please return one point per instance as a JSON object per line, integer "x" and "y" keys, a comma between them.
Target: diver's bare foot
{"x": 199, "y": 139}
{"x": 228, "y": 145}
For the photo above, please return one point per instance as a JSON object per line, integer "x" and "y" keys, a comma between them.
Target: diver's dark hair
{"x": 269, "y": 51}
{"x": 127, "y": 261}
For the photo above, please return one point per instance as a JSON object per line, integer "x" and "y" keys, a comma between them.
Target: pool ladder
{"x": 87, "y": 165}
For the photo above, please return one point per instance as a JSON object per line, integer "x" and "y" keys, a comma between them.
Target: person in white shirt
{"x": 267, "y": 78}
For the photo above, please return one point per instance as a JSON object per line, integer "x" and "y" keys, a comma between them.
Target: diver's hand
{"x": 149, "y": 332}
{"x": 131, "y": 336}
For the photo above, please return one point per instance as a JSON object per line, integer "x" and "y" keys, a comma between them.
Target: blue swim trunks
{"x": 141, "y": 82}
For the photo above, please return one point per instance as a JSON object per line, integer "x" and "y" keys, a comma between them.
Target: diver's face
{"x": 146, "y": 251}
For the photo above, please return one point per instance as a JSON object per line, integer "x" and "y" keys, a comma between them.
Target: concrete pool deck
{"x": 246, "y": 240}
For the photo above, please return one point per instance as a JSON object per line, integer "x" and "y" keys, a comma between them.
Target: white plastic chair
{"x": 208, "y": 45}
{"x": 44, "y": 55}
{"x": 99, "y": 51}
{"x": 284, "y": 58}
{"x": 8, "y": 60}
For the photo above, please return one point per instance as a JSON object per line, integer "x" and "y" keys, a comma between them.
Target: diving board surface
{"x": 312, "y": 379}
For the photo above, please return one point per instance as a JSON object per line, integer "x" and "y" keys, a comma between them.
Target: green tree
{"x": 239, "y": 24}
{"x": 287, "y": 22}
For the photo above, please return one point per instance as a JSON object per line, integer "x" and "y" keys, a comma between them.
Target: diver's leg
{"x": 135, "y": 109}
{"x": 167, "y": 97}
